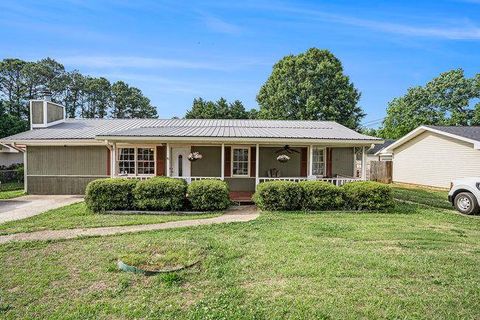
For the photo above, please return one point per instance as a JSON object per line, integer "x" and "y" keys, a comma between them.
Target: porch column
{"x": 222, "y": 165}
{"x": 114, "y": 160}
{"x": 25, "y": 170}
{"x": 168, "y": 159}
{"x": 310, "y": 161}
{"x": 364, "y": 164}
{"x": 257, "y": 164}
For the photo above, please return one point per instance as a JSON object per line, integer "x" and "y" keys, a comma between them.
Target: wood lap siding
{"x": 303, "y": 162}
{"x": 161, "y": 155}
{"x": 228, "y": 162}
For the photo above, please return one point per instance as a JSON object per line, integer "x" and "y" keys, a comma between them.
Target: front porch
{"x": 242, "y": 166}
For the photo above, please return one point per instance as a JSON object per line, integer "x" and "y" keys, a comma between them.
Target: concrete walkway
{"x": 31, "y": 205}
{"x": 235, "y": 214}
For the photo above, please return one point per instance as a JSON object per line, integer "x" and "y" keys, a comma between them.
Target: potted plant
{"x": 194, "y": 156}
{"x": 283, "y": 158}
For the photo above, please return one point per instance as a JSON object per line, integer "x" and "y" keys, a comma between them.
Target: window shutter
{"x": 329, "y": 162}
{"x": 161, "y": 150}
{"x": 109, "y": 162}
{"x": 303, "y": 162}
{"x": 228, "y": 162}
{"x": 253, "y": 159}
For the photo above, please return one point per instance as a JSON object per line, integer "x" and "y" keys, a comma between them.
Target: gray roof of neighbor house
{"x": 99, "y": 128}
{"x": 379, "y": 147}
{"x": 471, "y": 132}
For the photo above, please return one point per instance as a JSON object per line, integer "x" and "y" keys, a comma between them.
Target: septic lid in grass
{"x": 168, "y": 256}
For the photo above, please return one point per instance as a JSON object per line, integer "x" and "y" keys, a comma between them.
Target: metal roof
{"x": 99, "y": 128}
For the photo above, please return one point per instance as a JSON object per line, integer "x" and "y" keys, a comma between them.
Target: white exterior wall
{"x": 434, "y": 160}
{"x": 7, "y": 159}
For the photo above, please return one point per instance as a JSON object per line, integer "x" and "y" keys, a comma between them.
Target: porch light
{"x": 194, "y": 156}
{"x": 283, "y": 158}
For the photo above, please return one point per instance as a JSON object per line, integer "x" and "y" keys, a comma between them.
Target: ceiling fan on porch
{"x": 286, "y": 148}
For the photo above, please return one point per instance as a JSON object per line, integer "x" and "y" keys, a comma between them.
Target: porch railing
{"x": 339, "y": 181}
{"x": 294, "y": 179}
{"x": 190, "y": 179}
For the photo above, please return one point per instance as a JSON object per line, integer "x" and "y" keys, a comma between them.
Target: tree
{"x": 129, "y": 102}
{"x": 446, "y": 100}
{"x": 74, "y": 92}
{"x": 310, "y": 86}
{"x": 98, "y": 93}
{"x": 237, "y": 111}
{"x": 120, "y": 93}
{"x": 10, "y": 124}
{"x": 12, "y": 85}
{"x": 220, "y": 109}
{"x": 139, "y": 105}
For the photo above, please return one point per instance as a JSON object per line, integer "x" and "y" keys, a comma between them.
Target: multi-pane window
{"x": 318, "y": 162}
{"x": 240, "y": 161}
{"x": 136, "y": 161}
{"x": 126, "y": 161}
{"x": 145, "y": 161}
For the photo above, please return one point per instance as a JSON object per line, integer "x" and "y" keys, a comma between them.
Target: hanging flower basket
{"x": 194, "y": 156}
{"x": 283, "y": 158}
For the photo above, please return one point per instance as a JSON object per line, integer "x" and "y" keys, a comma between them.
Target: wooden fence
{"x": 381, "y": 171}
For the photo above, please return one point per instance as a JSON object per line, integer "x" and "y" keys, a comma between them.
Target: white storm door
{"x": 179, "y": 162}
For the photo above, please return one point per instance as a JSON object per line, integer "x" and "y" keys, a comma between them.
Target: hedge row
{"x": 156, "y": 194}
{"x": 320, "y": 195}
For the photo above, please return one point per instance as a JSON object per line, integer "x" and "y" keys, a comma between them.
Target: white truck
{"x": 464, "y": 195}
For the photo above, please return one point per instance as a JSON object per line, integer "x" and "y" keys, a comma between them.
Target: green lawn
{"x": 432, "y": 197}
{"x": 417, "y": 262}
{"x": 9, "y": 190}
{"x": 78, "y": 216}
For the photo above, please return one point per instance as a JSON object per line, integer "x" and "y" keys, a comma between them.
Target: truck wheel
{"x": 466, "y": 203}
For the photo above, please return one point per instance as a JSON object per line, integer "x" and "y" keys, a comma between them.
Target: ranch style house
{"x": 63, "y": 155}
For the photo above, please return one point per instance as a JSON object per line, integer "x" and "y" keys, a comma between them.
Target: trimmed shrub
{"x": 208, "y": 195}
{"x": 368, "y": 195}
{"x": 278, "y": 195}
{"x": 160, "y": 194}
{"x": 321, "y": 195}
{"x": 110, "y": 194}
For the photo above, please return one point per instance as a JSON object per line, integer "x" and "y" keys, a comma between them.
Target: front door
{"x": 179, "y": 162}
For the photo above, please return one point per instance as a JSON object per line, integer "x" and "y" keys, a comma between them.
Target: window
{"x": 136, "y": 161}
{"x": 126, "y": 161}
{"x": 240, "y": 161}
{"x": 318, "y": 162}
{"x": 146, "y": 161}
{"x": 180, "y": 165}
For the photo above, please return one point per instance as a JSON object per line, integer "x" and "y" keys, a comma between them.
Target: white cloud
{"x": 135, "y": 62}
{"x": 94, "y": 61}
{"x": 460, "y": 29}
{"x": 221, "y": 26}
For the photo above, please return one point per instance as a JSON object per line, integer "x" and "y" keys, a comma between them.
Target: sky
{"x": 175, "y": 51}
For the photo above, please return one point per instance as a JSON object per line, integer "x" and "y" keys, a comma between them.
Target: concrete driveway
{"x": 31, "y": 205}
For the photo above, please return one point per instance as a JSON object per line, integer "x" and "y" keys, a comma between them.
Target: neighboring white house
{"x": 436, "y": 155}
{"x": 10, "y": 155}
